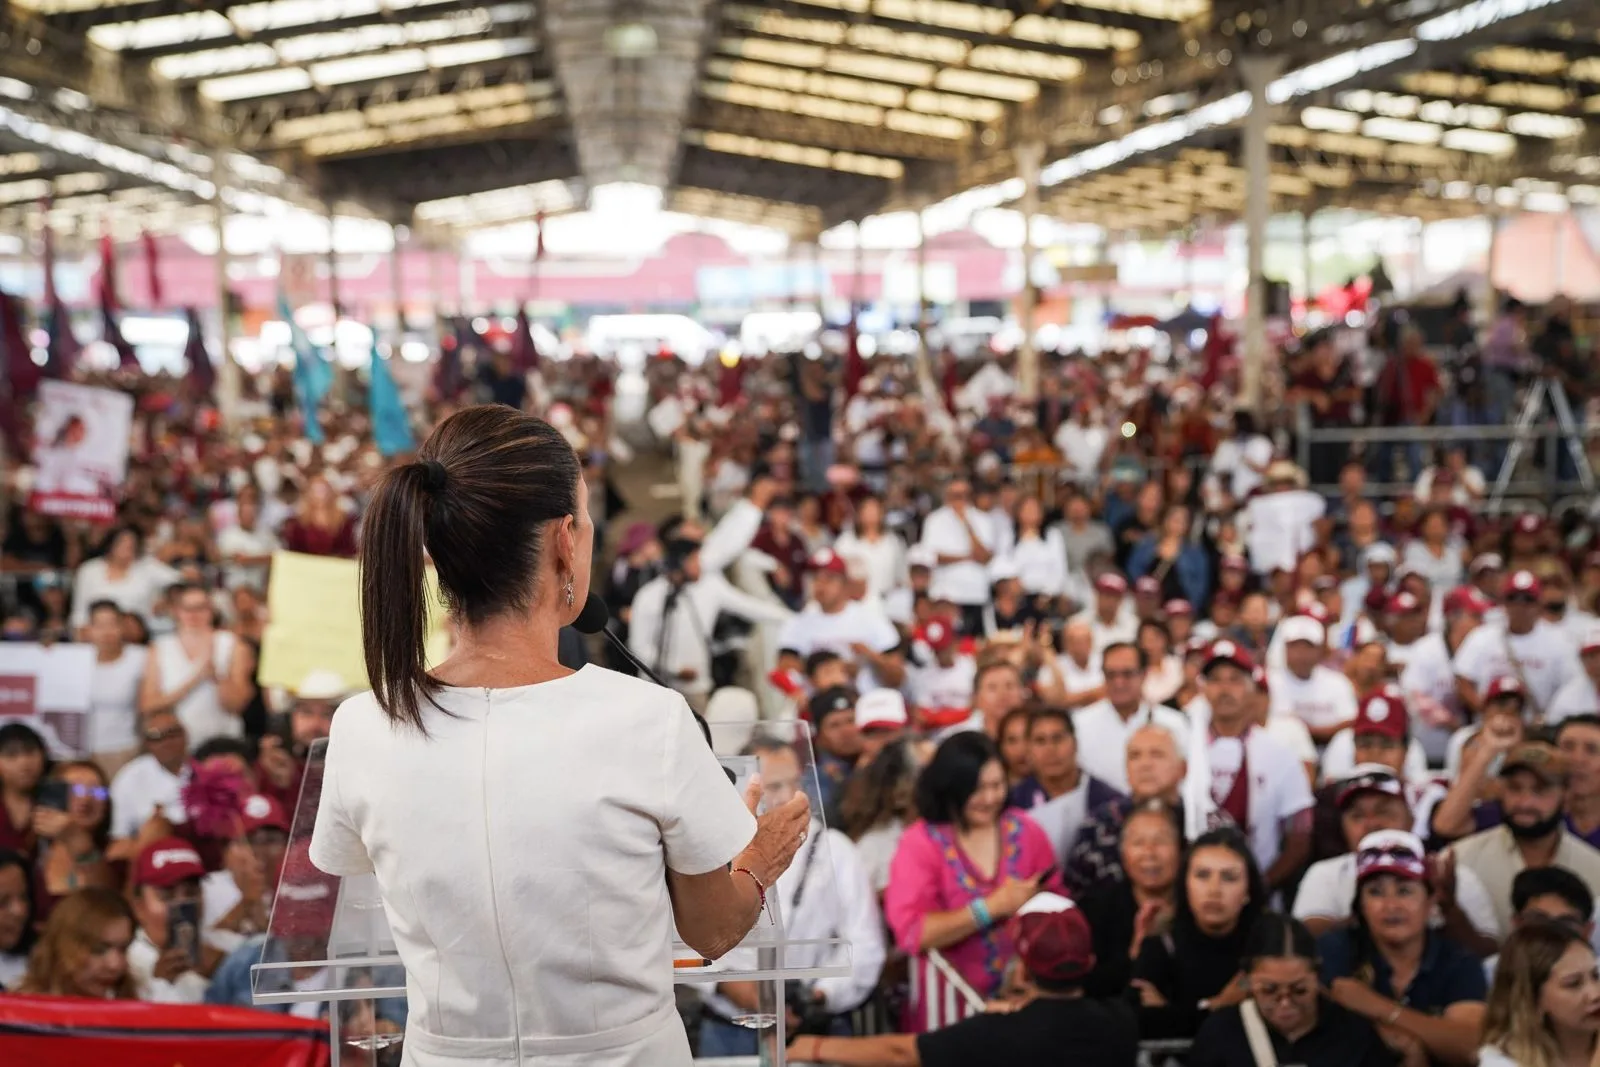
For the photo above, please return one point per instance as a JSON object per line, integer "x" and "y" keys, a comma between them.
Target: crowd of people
{"x": 1122, "y": 726}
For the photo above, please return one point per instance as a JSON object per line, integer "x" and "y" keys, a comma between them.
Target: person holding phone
{"x": 166, "y": 958}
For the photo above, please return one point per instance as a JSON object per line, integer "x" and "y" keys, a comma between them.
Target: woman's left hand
{"x": 1359, "y": 997}
{"x": 1235, "y": 992}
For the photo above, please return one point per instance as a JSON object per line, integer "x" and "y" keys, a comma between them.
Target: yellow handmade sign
{"x": 315, "y": 621}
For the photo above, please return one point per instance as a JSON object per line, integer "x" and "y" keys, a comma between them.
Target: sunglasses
{"x": 1274, "y": 991}
{"x": 153, "y": 736}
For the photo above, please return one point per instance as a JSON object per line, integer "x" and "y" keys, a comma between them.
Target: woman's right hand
{"x": 779, "y": 835}
{"x": 1010, "y": 897}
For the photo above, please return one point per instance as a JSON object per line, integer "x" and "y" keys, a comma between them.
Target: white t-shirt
{"x": 1427, "y": 677}
{"x": 188, "y": 988}
{"x": 814, "y": 630}
{"x": 141, "y": 788}
{"x": 1236, "y": 460}
{"x": 526, "y": 884}
{"x": 236, "y": 541}
{"x": 1339, "y": 759}
{"x": 136, "y": 592}
{"x": 935, "y": 686}
{"x": 1293, "y": 735}
{"x": 1577, "y": 697}
{"x": 113, "y": 724}
{"x": 1103, "y": 738}
{"x": 1325, "y": 699}
{"x": 1078, "y": 679}
{"x": 1328, "y": 891}
{"x": 1041, "y": 564}
{"x": 965, "y": 583}
{"x": 1547, "y": 658}
{"x": 883, "y": 562}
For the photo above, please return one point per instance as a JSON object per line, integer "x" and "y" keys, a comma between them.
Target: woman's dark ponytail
{"x": 394, "y": 599}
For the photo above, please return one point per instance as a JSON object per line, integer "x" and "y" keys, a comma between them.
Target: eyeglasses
{"x": 1121, "y": 674}
{"x": 155, "y": 736}
{"x": 1274, "y": 991}
{"x": 1559, "y": 607}
{"x": 98, "y": 792}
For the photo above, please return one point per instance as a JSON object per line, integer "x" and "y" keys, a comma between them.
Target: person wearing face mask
{"x": 1534, "y": 779}
{"x": 1414, "y": 983}
{"x": 1194, "y": 968}
{"x": 1286, "y": 1012}
{"x": 1544, "y": 1009}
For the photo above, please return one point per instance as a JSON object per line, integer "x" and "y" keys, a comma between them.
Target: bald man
{"x": 1155, "y": 774}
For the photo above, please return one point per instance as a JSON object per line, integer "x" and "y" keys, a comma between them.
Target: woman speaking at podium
{"x": 535, "y": 831}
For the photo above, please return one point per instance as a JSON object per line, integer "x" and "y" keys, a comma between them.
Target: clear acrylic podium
{"x": 329, "y": 949}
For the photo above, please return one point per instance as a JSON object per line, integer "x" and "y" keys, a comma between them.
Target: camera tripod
{"x": 1532, "y": 410}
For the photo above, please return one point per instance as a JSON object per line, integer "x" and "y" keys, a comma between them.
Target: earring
{"x": 569, "y": 592}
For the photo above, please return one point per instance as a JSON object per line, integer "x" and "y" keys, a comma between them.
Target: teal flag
{"x": 391, "y": 429}
{"x": 312, "y": 374}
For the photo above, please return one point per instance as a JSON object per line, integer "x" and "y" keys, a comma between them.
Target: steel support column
{"x": 1029, "y": 157}
{"x": 227, "y": 367}
{"x": 1257, "y": 71}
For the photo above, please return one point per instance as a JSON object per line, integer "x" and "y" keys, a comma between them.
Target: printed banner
{"x": 80, "y": 451}
{"x": 314, "y": 604}
{"x": 47, "y": 687}
{"x": 72, "y": 1031}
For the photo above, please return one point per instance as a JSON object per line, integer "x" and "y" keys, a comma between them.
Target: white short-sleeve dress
{"x": 521, "y": 849}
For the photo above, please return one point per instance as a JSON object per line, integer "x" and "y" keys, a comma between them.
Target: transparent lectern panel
{"x": 329, "y": 939}
{"x": 786, "y": 943}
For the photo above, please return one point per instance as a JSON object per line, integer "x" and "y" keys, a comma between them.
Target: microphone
{"x": 592, "y": 620}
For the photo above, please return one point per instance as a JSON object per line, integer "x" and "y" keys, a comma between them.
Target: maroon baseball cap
{"x": 1466, "y": 600}
{"x": 1177, "y": 609}
{"x": 1225, "y": 651}
{"x": 1393, "y": 852}
{"x": 938, "y": 635}
{"x": 1507, "y": 685}
{"x": 1404, "y": 602}
{"x": 1368, "y": 778}
{"x": 1112, "y": 584}
{"x": 827, "y": 561}
{"x": 1529, "y": 523}
{"x": 260, "y": 812}
{"x": 1053, "y": 938}
{"x": 1523, "y": 583}
{"x": 1147, "y": 586}
{"x": 1382, "y": 714}
{"x": 167, "y": 862}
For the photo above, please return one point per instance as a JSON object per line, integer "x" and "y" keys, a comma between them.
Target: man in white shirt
{"x": 1079, "y": 665}
{"x": 1317, "y": 695}
{"x": 166, "y": 903}
{"x": 151, "y": 784}
{"x": 1239, "y": 773}
{"x": 901, "y": 604}
{"x": 1372, "y": 799}
{"x": 1377, "y": 567}
{"x": 944, "y": 685}
{"x": 1526, "y": 647}
{"x": 1581, "y": 695}
{"x": 1426, "y": 675}
{"x": 246, "y": 547}
{"x": 832, "y": 622}
{"x": 1112, "y": 619}
{"x": 674, "y": 615}
{"x": 964, "y": 542}
{"x": 1103, "y": 728}
{"x": 827, "y": 901}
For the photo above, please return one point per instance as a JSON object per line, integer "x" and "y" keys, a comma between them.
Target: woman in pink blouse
{"x": 960, "y": 872}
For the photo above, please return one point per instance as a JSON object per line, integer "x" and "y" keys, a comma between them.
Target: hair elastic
{"x": 434, "y": 476}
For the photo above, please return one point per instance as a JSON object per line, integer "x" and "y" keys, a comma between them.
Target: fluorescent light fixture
{"x": 215, "y": 62}
{"x": 926, "y": 125}
{"x": 261, "y": 83}
{"x": 1551, "y": 203}
{"x": 795, "y": 103}
{"x": 1337, "y": 69}
{"x": 467, "y": 53}
{"x": 1531, "y": 96}
{"x": 804, "y": 81}
{"x": 1024, "y": 63}
{"x": 1158, "y": 135}
{"x": 519, "y": 201}
{"x": 19, "y": 163}
{"x": 24, "y": 191}
{"x": 109, "y": 156}
{"x": 800, "y": 155}
{"x": 1513, "y": 60}
{"x": 162, "y": 31}
{"x": 369, "y": 68}
{"x": 787, "y": 52}
{"x": 285, "y": 131}
{"x": 970, "y": 108}
{"x": 1327, "y": 118}
{"x": 881, "y": 67}
{"x": 1404, "y": 130}
{"x": 1481, "y": 142}
{"x": 282, "y": 14}
{"x": 969, "y": 18}
{"x": 1447, "y": 114}
{"x": 993, "y": 86}
{"x": 1069, "y": 33}
{"x": 1538, "y": 124}
{"x": 925, "y": 46}
{"x": 1476, "y": 16}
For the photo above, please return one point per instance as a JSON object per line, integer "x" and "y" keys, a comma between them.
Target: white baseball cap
{"x": 1302, "y": 628}
{"x": 881, "y": 709}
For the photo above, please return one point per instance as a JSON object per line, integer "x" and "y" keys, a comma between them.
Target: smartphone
{"x": 183, "y": 928}
{"x": 53, "y": 795}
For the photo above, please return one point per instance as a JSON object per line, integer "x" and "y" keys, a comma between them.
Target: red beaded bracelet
{"x": 761, "y": 888}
